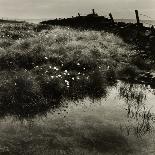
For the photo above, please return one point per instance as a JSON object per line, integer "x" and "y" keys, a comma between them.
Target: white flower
{"x": 78, "y": 64}
{"x": 46, "y": 58}
{"x": 78, "y": 78}
{"x": 67, "y": 82}
{"x": 55, "y": 68}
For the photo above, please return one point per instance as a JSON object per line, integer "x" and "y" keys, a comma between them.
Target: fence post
{"x": 111, "y": 17}
{"x": 93, "y": 11}
{"x": 152, "y": 28}
{"x": 137, "y": 17}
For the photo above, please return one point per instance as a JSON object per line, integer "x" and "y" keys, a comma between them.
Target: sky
{"x": 39, "y": 9}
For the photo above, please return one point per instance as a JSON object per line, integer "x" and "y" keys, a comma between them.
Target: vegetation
{"x": 41, "y": 67}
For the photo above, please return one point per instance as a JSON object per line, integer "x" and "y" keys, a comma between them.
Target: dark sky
{"x": 66, "y": 8}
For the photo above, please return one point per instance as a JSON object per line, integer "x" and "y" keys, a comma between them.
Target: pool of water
{"x": 122, "y": 122}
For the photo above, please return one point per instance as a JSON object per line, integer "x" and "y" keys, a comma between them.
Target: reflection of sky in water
{"x": 106, "y": 117}
{"x": 113, "y": 108}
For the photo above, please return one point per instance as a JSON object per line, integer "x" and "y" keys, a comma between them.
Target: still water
{"x": 121, "y": 122}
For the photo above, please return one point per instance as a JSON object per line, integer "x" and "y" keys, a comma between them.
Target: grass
{"x": 55, "y": 63}
{"x": 43, "y": 67}
{"x": 58, "y": 63}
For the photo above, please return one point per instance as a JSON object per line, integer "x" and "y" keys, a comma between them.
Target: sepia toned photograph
{"x": 77, "y": 77}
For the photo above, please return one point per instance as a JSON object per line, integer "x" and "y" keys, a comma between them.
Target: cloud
{"x": 65, "y": 8}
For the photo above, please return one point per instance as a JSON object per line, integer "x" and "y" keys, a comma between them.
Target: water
{"x": 35, "y": 21}
{"x": 121, "y": 121}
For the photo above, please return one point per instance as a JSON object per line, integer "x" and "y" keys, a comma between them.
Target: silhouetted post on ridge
{"x": 79, "y": 14}
{"x": 137, "y": 17}
{"x": 111, "y": 17}
{"x": 93, "y": 11}
{"x": 152, "y": 29}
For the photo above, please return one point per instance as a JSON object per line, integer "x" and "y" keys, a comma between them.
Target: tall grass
{"x": 64, "y": 63}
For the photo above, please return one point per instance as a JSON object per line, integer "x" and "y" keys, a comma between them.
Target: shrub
{"x": 142, "y": 63}
{"x": 127, "y": 72}
{"x": 20, "y": 95}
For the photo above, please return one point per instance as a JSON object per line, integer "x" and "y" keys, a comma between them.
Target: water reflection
{"x": 135, "y": 97}
{"x": 89, "y": 115}
{"x": 25, "y": 96}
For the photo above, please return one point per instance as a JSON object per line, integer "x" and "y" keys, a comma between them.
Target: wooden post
{"x": 152, "y": 28}
{"x": 93, "y": 11}
{"x": 111, "y": 17}
{"x": 137, "y": 17}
